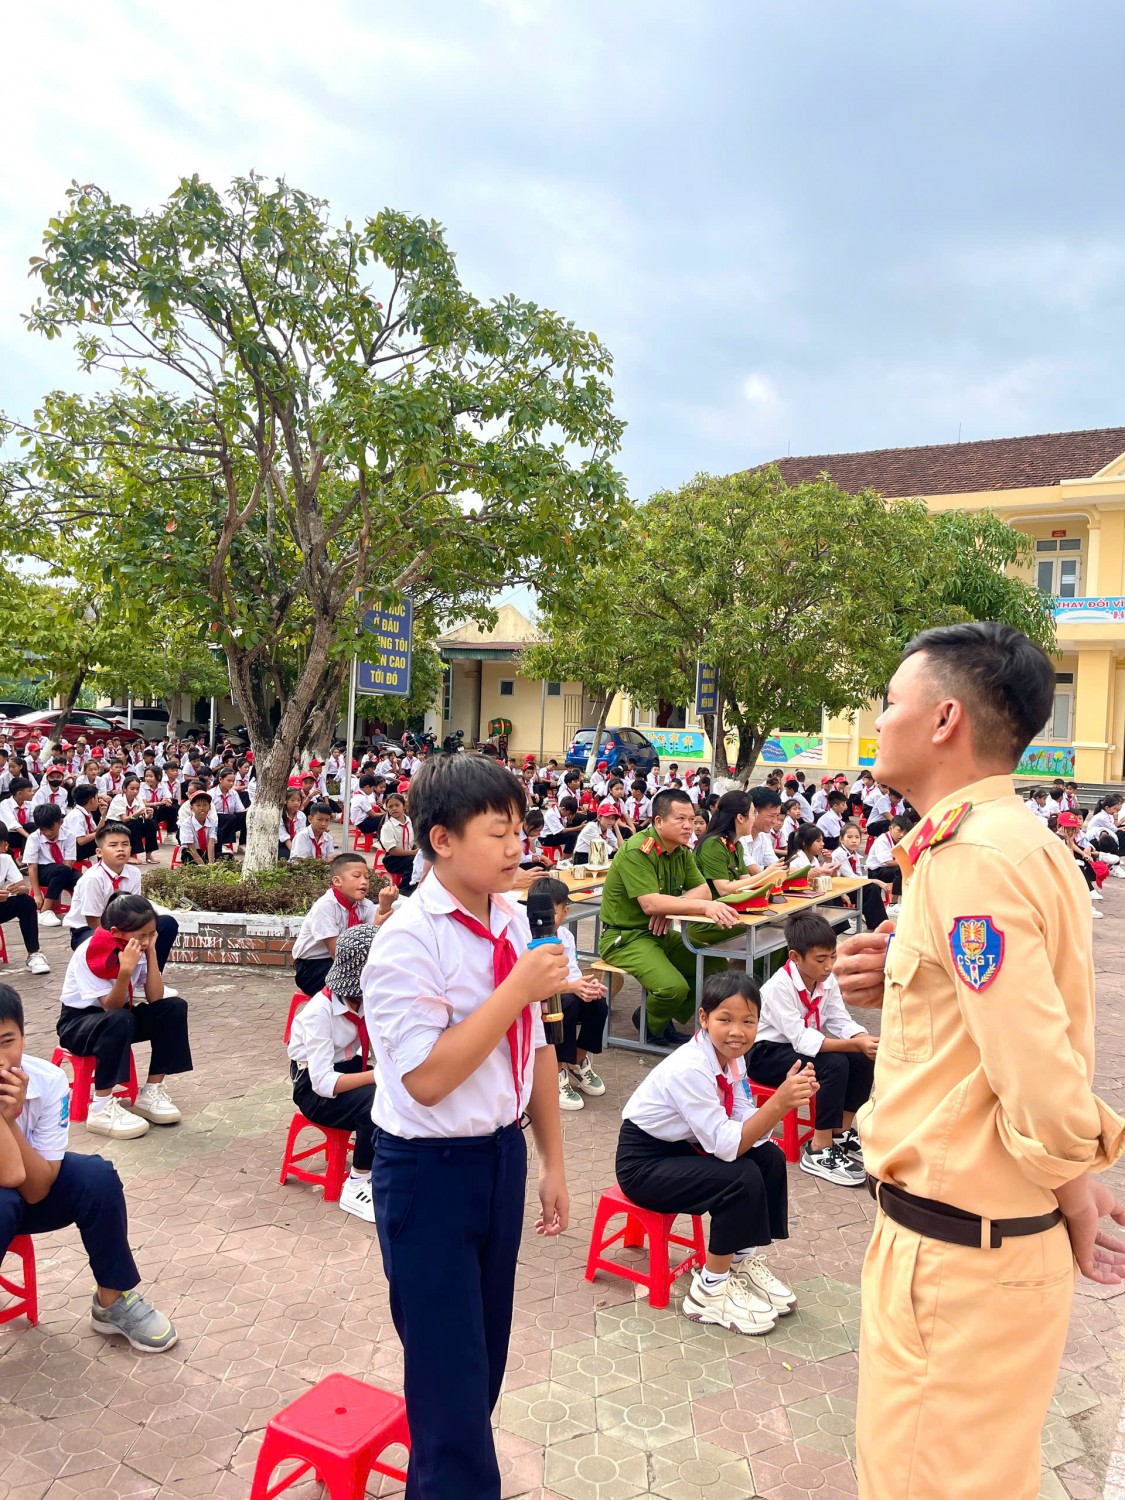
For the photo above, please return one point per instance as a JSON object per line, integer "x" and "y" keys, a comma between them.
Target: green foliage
{"x": 286, "y": 889}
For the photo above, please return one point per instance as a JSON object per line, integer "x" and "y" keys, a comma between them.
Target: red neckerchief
{"x": 291, "y": 825}
{"x": 201, "y": 837}
{"x": 726, "y": 1093}
{"x": 356, "y": 1018}
{"x": 316, "y": 845}
{"x": 503, "y": 962}
{"x": 852, "y": 862}
{"x": 90, "y": 824}
{"x": 103, "y": 956}
{"x": 54, "y": 849}
{"x": 354, "y": 919}
{"x": 810, "y": 1004}
{"x": 21, "y": 814}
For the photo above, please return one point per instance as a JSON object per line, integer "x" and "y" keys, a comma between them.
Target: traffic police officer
{"x": 983, "y": 1130}
{"x": 653, "y": 877}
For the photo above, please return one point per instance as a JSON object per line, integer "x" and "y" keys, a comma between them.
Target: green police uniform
{"x": 644, "y": 867}
{"x": 717, "y": 860}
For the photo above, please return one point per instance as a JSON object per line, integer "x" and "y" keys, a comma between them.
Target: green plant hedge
{"x": 287, "y": 890}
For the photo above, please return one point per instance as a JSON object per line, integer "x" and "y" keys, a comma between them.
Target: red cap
{"x": 1069, "y": 820}
{"x": 315, "y": 765}
{"x": 603, "y": 765}
{"x": 607, "y": 809}
{"x": 295, "y": 783}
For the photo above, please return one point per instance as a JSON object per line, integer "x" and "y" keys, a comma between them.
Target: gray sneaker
{"x": 136, "y": 1320}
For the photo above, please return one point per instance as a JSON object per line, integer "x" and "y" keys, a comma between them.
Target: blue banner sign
{"x": 389, "y": 634}
{"x": 1089, "y": 611}
{"x": 706, "y": 689}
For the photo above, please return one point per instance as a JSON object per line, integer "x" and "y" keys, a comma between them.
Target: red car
{"x": 46, "y": 727}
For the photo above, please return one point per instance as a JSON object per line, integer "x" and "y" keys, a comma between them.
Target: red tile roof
{"x": 959, "y": 468}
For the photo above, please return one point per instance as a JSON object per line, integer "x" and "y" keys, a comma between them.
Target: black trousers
{"x": 845, "y": 1078}
{"x": 21, "y": 909}
{"x": 142, "y": 835}
{"x": 368, "y": 825}
{"x": 311, "y": 974}
{"x": 108, "y": 1036}
{"x": 86, "y": 848}
{"x": 167, "y": 931}
{"x": 1109, "y": 843}
{"x": 232, "y": 827}
{"x": 17, "y": 838}
{"x": 748, "y": 1198}
{"x": 583, "y": 1026}
{"x": 400, "y": 864}
{"x": 877, "y": 826}
{"x": 87, "y": 1193}
{"x": 57, "y": 878}
{"x": 449, "y": 1214}
{"x": 282, "y": 850}
{"x": 890, "y": 875}
{"x": 348, "y": 1111}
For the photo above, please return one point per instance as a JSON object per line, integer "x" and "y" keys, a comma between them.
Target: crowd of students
{"x": 422, "y": 1018}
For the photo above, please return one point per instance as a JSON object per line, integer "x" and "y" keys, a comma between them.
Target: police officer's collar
{"x": 946, "y": 817}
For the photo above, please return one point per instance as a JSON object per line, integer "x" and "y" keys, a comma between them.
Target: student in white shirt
{"x": 49, "y": 857}
{"x": 831, "y": 820}
{"x": 365, "y": 814}
{"x": 638, "y": 807}
{"x": 129, "y": 807}
{"x": 17, "y": 813}
{"x": 692, "y": 1142}
{"x": 793, "y": 791}
{"x": 602, "y": 829}
{"x": 229, "y": 809}
{"x": 758, "y": 846}
{"x": 292, "y": 821}
{"x": 344, "y": 905}
{"x": 396, "y": 838}
{"x": 881, "y": 863}
{"x": 17, "y": 905}
{"x": 847, "y": 862}
{"x": 159, "y": 798}
{"x": 109, "y": 873}
{"x": 333, "y": 1079}
{"x": 52, "y": 789}
{"x": 1102, "y": 827}
{"x": 113, "y": 996}
{"x": 1037, "y": 804}
{"x": 83, "y": 821}
{"x": 196, "y": 829}
{"x": 804, "y": 1018}
{"x": 451, "y": 998}
{"x": 882, "y": 809}
{"x": 599, "y": 781}
{"x": 585, "y": 1012}
{"x": 819, "y": 801}
{"x": 44, "y": 1187}
{"x": 314, "y": 841}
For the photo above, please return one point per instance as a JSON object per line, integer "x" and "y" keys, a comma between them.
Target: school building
{"x": 1065, "y": 489}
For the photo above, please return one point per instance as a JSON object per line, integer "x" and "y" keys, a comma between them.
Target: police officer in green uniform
{"x": 654, "y": 876}
{"x": 722, "y": 860}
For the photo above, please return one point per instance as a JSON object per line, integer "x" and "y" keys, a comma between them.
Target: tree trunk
{"x": 67, "y": 704}
{"x": 750, "y": 741}
{"x": 599, "y": 729}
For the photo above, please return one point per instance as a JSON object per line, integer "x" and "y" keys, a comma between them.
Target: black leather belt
{"x": 940, "y": 1221}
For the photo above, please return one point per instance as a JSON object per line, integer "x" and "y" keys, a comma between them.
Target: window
{"x": 554, "y": 690}
{"x": 1056, "y": 574}
{"x": 507, "y": 687}
{"x": 447, "y": 695}
{"x": 1060, "y": 725}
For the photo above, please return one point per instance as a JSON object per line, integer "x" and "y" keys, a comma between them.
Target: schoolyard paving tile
{"x": 606, "y": 1398}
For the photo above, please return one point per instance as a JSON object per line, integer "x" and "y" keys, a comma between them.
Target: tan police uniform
{"x": 982, "y": 1106}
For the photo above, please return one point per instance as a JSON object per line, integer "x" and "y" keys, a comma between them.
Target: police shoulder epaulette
{"x": 941, "y": 832}
{"x": 648, "y": 846}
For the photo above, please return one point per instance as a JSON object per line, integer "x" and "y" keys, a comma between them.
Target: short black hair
{"x": 19, "y": 784}
{"x": 84, "y": 793}
{"x": 720, "y": 987}
{"x": 664, "y": 801}
{"x": 450, "y": 790}
{"x": 558, "y": 890}
{"x": 533, "y": 818}
{"x": 319, "y": 807}
{"x": 47, "y": 815}
{"x": 806, "y": 930}
{"x": 837, "y": 797}
{"x": 342, "y": 861}
{"x": 109, "y": 830}
{"x": 11, "y": 1007}
{"x": 367, "y": 780}
{"x": 762, "y": 797}
{"x": 903, "y": 821}
{"x": 1005, "y": 680}
{"x": 128, "y": 913}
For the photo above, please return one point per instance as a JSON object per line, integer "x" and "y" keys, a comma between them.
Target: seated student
{"x": 700, "y": 823}
{"x": 314, "y": 841}
{"x": 83, "y": 821}
{"x": 573, "y": 820}
{"x": 531, "y": 837}
{"x": 603, "y": 828}
{"x": 790, "y": 822}
{"x": 196, "y": 828}
{"x": 397, "y": 840}
{"x": 847, "y": 861}
{"x": 692, "y": 1142}
{"x": 1069, "y": 830}
{"x": 343, "y": 905}
{"x": 455, "y": 1076}
{"x": 700, "y": 788}
{"x": 158, "y": 799}
{"x": 333, "y": 1078}
{"x": 17, "y": 813}
{"x": 130, "y": 808}
{"x": 1102, "y": 828}
{"x": 45, "y": 1187}
{"x": 16, "y": 904}
{"x": 654, "y": 875}
{"x": 1036, "y": 804}
{"x": 638, "y": 805}
{"x": 229, "y": 809}
{"x": 52, "y": 789}
{"x": 114, "y": 779}
{"x": 292, "y": 821}
{"x": 49, "y": 857}
{"x": 585, "y": 1011}
{"x": 624, "y": 827}
{"x": 111, "y": 872}
{"x": 804, "y": 1019}
{"x": 103, "y": 1013}
{"x": 365, "y": 812}
{"x": 310, "y": 793}
{"x": 806, "y": 853}
{"x": 831, "y": 821}
{"x": 1068, "y": 798}
{"x": 881, "y": 864}
{"x": 794, "y": 794}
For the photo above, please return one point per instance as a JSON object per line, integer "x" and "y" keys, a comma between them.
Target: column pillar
{"x": 1094, "y": 713}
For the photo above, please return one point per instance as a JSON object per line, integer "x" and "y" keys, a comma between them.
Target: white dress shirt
{"x": 10, "y": 813}
{"x": 759, "y": 850}
{"x": 326, "y": 917}
{"x": 881, "y": 853}
{"x": 95, "y": 886}
{"x": 396, "y": 836}
{"x": 1099, "y": 822}
{"x": 592, "y": 831}
{"x": 679, "y": 1100}
{"x": 57, "y": 796}
{"x": 788, "y": 1017}
{"x": 82, "y": 989}
{"x": 306, "y": 845}
{"x": 428, "y": 972}
{"x": 299, "y": 822}
{"x": 45, "y": 1116}
{"x": 830, "y": 824}
{"x": 819, "y": 802}
{"x": 37, "y": 850}
{"x": 846, "y": 863}
{"x": 322, "y": 1036}
{"x": 187, "y": 828}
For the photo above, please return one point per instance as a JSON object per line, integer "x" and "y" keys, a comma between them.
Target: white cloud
{"x": 754, "y": 414}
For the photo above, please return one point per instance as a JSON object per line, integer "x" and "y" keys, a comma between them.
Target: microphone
{"x": 541, "y": 920}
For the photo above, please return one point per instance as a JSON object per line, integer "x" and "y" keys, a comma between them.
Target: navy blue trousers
{"x": 449, "y": 1215}
{"x": 87, "y": 1193}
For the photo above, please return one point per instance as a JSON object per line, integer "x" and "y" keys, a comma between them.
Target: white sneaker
{"x": 38, "y": 964}
{"x": 49, "y": 919}
{"x": 730, "y": 1305}
{"x": 1108, "y": 859}
{"x": 356, "y": 1199}
{"x": 758, "y": 1279}
{"x": 1118, "y": 871}
{"x": 584, "y": 1079}
{"x": 895, "y": 909}
{"x": 154, "y": 1105}
{"x": 114, "y": 1120}
{"x": 832, "y": 1165}
{"x": 569, "y": 1098}
{"x": 171, "y": 993}
{"x": 1096, "y": 914}
{"x": 1096, "y": 896}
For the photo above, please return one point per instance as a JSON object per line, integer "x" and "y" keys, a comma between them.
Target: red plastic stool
{"x": 796, "y": 1127}
{"x": 339, "y": 1429}
{"x": 27, "y": 1295}
{"x": 3, "y": 948}
{"x": 642, "y": 1224}
{"x": 83, "y": 1084}
{"x": 299, "y": 999}
{"x": 362, "y": 843}
{"x": 176, "y": 859}
{"x": 334, "y": 1148}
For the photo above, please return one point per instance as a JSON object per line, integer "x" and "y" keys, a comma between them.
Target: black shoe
{"x": 671, "y": 1037}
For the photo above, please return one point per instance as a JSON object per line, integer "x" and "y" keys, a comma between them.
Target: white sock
{"x": 355, "y": 1176}
{"x": 98, "y": 1103}
{"x": 712, "y": 1280}
{"x": 747, "y": 1254}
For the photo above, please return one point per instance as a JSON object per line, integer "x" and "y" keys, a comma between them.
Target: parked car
{"x": 46, "y": 726}
{"x": 12, "y": 710}
{"x": 152, "y": 723}
{"x": 617, "y": 746}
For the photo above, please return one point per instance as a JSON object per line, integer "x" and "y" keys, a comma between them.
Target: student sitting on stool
{"x": 344, "y": 905}
{"x": 16, "y": 905}
{"x": 111, "y": 872}
{"x": 49, "y": 855}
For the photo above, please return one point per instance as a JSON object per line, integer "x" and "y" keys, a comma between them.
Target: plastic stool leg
{"x": 597, "y": 1239}
{"x": 659, "y": 1271}
{"x": 634, "y": 1232}
{"x": 789, "y": 1137}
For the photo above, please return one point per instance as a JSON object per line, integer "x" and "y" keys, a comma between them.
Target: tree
{"x": 304, "y": 418}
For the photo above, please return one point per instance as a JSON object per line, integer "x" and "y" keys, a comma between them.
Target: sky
{"x": 800, "y": 226}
